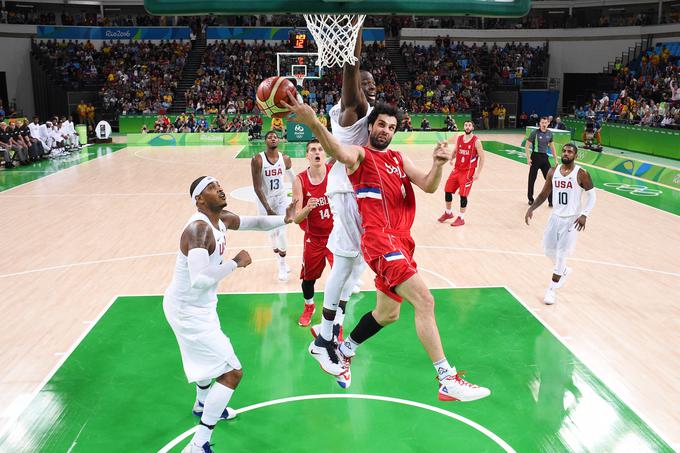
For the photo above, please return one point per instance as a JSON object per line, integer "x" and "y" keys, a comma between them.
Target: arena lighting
{"x": 616, "y": 9}
{"x": 83, "y": 2}
{"x": 555, "y": 12}
{"x": 19, "y": 5}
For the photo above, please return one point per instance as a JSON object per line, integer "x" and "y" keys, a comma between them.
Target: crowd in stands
{"x": 188, "y": 122}
{"x": 645, "y": 92}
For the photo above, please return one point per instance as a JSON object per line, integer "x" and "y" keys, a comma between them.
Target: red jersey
{"x": 319, "y": 222}
{"x": 384, "y": 192}
{"x": 466, "y": 154}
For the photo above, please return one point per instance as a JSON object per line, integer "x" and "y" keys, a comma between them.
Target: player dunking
{"x": 567, "y": 181}
{"x": 349, "y": 124}
{"x": 191, "y": 299}
{"x": 316, "y": 221}
{"x": 469, "y": 156}
{"x": 267, "y": 169}
{"x": 382, "y": 179}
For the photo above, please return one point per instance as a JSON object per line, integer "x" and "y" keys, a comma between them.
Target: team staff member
{"x": 540, "y": 140}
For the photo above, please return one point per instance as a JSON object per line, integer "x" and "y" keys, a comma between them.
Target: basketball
{"x": 271, "y": 92}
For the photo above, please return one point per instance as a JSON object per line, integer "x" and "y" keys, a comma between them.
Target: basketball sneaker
{"x": 549, "y": 298}
{"x": 458, "y": 222}
{"x": 228, "y": 414}
{"x": 445, "y": 217}
{"x": 455, "y": 388}
{"x": 193, "y": 448}
{"x": 563, "y": 279}
{"x": 327, "y": 356}
{"x": 337, "y": 332}
{"x": 283, "y": 274}
{"x": 344, "y": 379}
{"x": 306, "y": 316}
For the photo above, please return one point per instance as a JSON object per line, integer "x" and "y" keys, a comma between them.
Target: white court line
{"x": 500, "y": 442}
{"x": 435, "y": 247}
{"x": 13, "y": 420}
{"x": 609, "y": 387}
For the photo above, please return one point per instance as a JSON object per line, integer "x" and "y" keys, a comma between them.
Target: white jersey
{"x": 566, "y": 193}
{"x": 272, "y": 177}
{"x": 189, "y": 300}
{"x": 356, "y": 134}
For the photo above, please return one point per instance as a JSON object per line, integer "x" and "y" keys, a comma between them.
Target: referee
{"x": 539, "y": 141}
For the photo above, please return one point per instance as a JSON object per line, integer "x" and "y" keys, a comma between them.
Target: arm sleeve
{"x": 291, "y": 174}
{"x": 590, "y": 202}
{"x": 261, "y": 222}
{"x": 202, "y": 274}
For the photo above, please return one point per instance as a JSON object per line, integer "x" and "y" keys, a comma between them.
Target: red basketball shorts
{"x": 314, "y": 257}
{"x": 390, "y": 256}
{"x": 461, "y": 181}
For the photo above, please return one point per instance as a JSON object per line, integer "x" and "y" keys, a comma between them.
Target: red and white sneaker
{"x": 306, "y": 316}
{"x": 445, "y": 217}
{"x": 344, "y": 379}
{"x": 455, "y": 388}
{"x": 458, "y": 222}
{"x": 328, "y": 358}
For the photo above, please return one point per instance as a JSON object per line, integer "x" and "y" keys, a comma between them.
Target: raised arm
{"x": 301, "y": 213}
{"x": 258, "y": 222}
{"x": 255, "y": 173}
{"x": 428, "y": 181}
{"x": 354, "y": 103}
{"x": 545, "y": 192}
{"x": 349, "y": 155}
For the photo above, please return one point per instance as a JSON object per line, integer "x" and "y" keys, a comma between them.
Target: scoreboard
{"x": 299, "y": 40}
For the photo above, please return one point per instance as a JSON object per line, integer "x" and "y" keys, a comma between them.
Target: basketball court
{"x": 91, "y": 364}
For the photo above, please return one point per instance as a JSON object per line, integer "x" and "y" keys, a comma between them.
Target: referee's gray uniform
{"x": 540, "y": 159}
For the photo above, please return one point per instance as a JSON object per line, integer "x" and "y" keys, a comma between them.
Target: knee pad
{"x": 463, "y": 202}
{"x": 448, "y": 197}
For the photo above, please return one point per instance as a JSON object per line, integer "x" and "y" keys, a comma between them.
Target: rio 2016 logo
{"x": 634, "y": 189}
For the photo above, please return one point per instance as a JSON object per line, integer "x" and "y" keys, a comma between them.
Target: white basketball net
{"x": 335, "y": 36}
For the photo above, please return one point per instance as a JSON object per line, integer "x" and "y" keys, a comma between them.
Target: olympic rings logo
{"x": 634, "y": 189}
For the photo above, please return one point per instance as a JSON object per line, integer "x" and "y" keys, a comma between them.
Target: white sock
{"x": 282, "y": 262}
{"x": 326, "y": 329}
{"x": 444, "y": 369}
{"x": 202, "y": 435}
{"x": 309, "y": 301}
{"x": 448, "y": 211}
{"x": 553, "y": 285}
{"x": 339, "y": 316}
{"x": 462, "y": 215}
{"x": 202, "y": 393}
{"x": 349, "y": 347}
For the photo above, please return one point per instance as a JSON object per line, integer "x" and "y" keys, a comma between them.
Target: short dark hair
{"x": 194, "y": 184}
{"x": 270, "y": 132}
{"x": 311, "y": 142}
{"x": 544, "y": 118}
{"x": 571, "y": 145}
{"x": 382, "y": 108}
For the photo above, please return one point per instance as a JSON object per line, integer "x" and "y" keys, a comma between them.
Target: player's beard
{"x": 375, "y": 144}
{"x": 566, "y": 160}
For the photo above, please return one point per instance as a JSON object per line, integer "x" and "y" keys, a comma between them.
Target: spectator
{"x": 559, "y": 125}
{"x": 425, "y": 125}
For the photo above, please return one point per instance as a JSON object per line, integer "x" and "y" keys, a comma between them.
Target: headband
{"x": 205, "y": 182}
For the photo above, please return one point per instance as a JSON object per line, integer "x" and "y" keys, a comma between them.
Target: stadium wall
{"x": 16, "y": 62}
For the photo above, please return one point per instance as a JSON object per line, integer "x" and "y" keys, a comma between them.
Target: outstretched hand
{"x": 528, "y": 215}
{"x": 290, "y": 212}
{"x": 303, "y": 112}
{"x": 441, "y": 153}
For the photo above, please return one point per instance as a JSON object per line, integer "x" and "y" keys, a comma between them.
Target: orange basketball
{"x": 271, "y": 92}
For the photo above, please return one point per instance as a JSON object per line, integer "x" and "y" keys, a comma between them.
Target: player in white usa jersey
{"x": 267, "y": 170}
{"x": 190, "y": 303}
{"x": 349, "y": 123}
{"x": 567, "y": 181}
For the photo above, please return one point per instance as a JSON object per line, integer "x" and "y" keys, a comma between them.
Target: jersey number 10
{"x": 562, "y": 199}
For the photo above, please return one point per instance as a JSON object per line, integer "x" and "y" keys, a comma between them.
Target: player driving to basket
{"x": 382, "y": 180}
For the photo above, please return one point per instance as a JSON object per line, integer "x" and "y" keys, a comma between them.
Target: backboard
{"x": 291, "y": 64}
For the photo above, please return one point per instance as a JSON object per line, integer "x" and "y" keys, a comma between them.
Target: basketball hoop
{"x": 335, "y": 36}
{"x": 299, "y": 78}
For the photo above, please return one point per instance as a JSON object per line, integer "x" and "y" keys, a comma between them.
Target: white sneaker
{"x": 283, "y": 275}
{"x": 563, "y": 279}
{"x": 287, "y": 269}
{"x": 193, "y": 448}
{"x": 549, "y": 298}
{"x": 344, "y": 379}
{"x": 455, "y": 388}
{"x": 356, "y": 289}
{"x": 327, "y": 358}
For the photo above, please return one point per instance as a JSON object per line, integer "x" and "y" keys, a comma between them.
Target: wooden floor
{"x": 73, "y": 241}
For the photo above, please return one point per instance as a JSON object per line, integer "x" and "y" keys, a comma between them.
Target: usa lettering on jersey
{"x": 562, "y": 184}
{"x": 273, "y": 171}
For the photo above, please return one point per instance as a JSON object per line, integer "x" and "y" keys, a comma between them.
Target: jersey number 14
{"x": 325, "y": 213}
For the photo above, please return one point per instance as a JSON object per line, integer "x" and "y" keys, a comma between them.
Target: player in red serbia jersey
{"x": 316, "y": 221}
{"x": 382, "y": 179}
{"x": 469, "y": 156}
